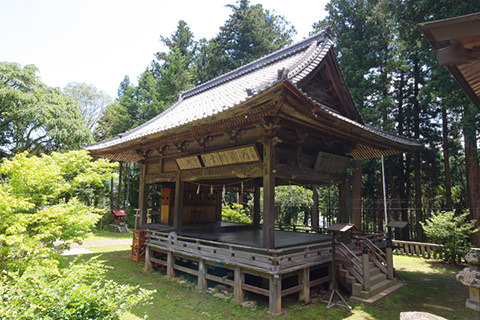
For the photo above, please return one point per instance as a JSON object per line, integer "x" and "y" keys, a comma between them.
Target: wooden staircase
{"x": 363, "y": 269}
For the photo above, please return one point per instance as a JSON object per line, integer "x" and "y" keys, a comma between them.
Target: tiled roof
{"x": 290, "y": 66}
{"x": 231, "y": 89}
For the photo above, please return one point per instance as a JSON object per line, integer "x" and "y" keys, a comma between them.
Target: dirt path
{"x": 102, "y": 243}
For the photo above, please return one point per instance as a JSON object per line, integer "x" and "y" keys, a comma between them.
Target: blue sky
{"x": 100, "y": 41}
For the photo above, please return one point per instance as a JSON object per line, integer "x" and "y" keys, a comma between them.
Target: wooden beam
{"x": 178, "y": 209}
{"x": 161, "y": 177}
{"x": 305, "y": 175}
{"x": 454, "y": 54}
{"x": 241, "y": 171}
{"x": 143, "y": 195}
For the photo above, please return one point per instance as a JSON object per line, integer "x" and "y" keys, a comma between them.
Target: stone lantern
{"x": 470, "y": 277}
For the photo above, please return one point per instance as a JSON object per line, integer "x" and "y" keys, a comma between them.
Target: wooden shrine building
{"x": 286, "y": 118}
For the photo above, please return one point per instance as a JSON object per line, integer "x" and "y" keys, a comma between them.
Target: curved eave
{"x": 130, "y": 150}
{"x": 370, "y": 142}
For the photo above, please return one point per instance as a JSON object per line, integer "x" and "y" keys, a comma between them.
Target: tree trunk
{"x": 446, "y": 161}
{"x": 417, "y": 159}
{"x": 402, "y": 172}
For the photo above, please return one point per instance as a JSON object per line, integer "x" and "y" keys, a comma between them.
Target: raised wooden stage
{"x": 298, "y": 262}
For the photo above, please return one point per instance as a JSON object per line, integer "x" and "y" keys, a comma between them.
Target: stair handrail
{"x": 377, "y": 256}
{"x": 356, "y": 264}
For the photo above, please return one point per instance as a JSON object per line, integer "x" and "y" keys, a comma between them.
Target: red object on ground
{"x": 119, "y": 212}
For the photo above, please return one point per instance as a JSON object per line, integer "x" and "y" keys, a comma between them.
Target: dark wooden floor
{"x": 246, "y": 235}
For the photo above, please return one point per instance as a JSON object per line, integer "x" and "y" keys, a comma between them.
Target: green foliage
{"x": 453, "y": 232}
{"x": 235, "y": 213}
{"x": 249, "y": 33}
{"x": 41, "y": 203}
{"x": 294, "y": 203}
{"x": 91, "y": 100}
{"x": 77, "y": 292}
{"x": 35, "y": 117}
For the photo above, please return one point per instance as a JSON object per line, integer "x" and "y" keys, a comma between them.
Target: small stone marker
{"x": 414, "y": 315}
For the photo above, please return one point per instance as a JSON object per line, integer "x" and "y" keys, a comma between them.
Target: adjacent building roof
{"x": 289, "y": 67}
{"x": 457, "y": 45}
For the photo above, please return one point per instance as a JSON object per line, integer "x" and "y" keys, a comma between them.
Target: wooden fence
{"x": 420, "y": 249}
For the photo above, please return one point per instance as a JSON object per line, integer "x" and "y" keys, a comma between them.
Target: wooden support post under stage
{"x": 143, "y": 195}
{"x": 148, "y": 261}
{"x": 178, "y": 209}
{"x": 357, "y": 195}
{"x": 304, "y": 280}
{"x": 237, "y": 285}
{"x": 314, "y": 212}
{"x": 202, "y": 275}
{"x": 269, "y": 195}
{"x": 256, "y": 206}
{"x": 275, "y": 295}
{"x": 170, "y": 263}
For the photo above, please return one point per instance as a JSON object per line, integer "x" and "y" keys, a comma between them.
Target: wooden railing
{"x": 419, "y": 249}
{"x": 377, "y": 256}
{"x": 352, "y": 262}
{"x": 254, "y": 258}
{"x": 299, "y": 228}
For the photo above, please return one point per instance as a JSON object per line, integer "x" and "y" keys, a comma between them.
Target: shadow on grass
{"x": 433, "y": 289}
{"x": 429, "y": 288}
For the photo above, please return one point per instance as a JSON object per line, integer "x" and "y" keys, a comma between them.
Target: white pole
{"x": 384, "y": 194}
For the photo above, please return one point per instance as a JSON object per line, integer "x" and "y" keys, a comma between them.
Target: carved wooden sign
{"x": 211, "y": 159}
{"x": 220, "y": 158}
{"x": 328, "y": 162}
{"x": 189, "y": 163}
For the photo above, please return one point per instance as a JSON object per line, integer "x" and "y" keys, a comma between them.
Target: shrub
{"x": 235, "y": 213}
{"x": 453, "y": 232}
{"x": 77, "y": 292}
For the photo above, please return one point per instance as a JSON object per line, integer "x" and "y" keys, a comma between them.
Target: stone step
{"x": 397, "y": 285}
{"x": 376, "y": 288}
{"x": 379, "y": 277}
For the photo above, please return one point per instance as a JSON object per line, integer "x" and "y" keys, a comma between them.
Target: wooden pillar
{"x": 389, "y": 254}
{"x": 366, "y": 271}
{"x": 256, "y": 206}
{"x": 343, "y": 199}
{"x": 143, "y": 195}
{"x": 314, "y": 212}
{"x": 304, "y": 278}
{"x": 357, "y": 195}
{"x": 148, "y": 261}
{"x": 237, "y": 285}
{"x": 269, "y": 195}
{"x": 178, "y": 209}
{"x": 170, "y": 263}
{"x": 202, "y": 275}
{"x": 275, "y": 295}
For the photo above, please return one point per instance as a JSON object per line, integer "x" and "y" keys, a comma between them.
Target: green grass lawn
{"x": 430, "y": 287}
